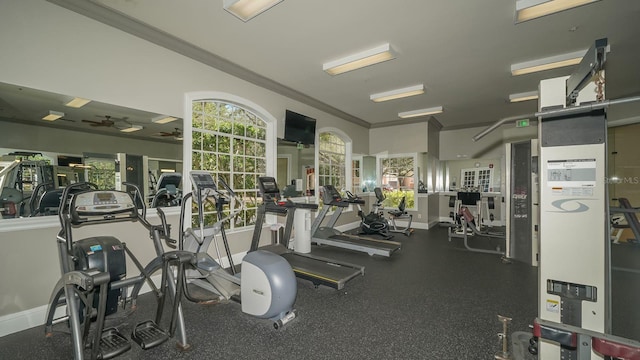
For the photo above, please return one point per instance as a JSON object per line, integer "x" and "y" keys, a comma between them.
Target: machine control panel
{"x": 102, "y": 204}
{"x": 202, "y": 180}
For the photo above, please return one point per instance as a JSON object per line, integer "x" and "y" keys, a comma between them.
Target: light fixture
{"x": 53, "y": 115}
{"x": 362, "y": 59}
{"x": 167, "y": 170}
{"x": 163, "y": 119}
{"x": 529, "y": 95}
{"x": 131, "y": 128}
{"x": 548, "y": 63}
{"x": 77, "y": 102}
{"x": 246, "y": 10}
{"x": 398, "y": 93}
{"x": 421, "y": 112}
{"x": 531, "y": 9}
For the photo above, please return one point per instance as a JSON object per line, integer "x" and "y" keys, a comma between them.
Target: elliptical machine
{"x": 94, "y": 278}
{"x": 267, "y": 287}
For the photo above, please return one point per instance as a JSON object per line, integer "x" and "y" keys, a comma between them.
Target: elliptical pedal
{"x": 112, "y": 344}
{"x": 148, "y": 334}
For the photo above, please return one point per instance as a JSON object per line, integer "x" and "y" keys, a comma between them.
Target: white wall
{"x": 398, "y": 139}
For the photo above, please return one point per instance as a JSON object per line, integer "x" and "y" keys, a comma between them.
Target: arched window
{"x": 230, "y": 142}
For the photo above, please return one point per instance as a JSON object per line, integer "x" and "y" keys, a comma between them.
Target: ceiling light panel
{"x": 548, "y": 63}
{"x": 359, "y": 60}
{"x": 77, "y": 102}
{"x": 132, "y": 128}
{"x": 525, "y": 96}
{"x": 163, "y": 119}
{"x": 421, "y": 112}
{"x": 532, "y": 9}
{"x": 53, "y": 115}
{"x": 398, "y": 93}
{"x": 246, "y": 10}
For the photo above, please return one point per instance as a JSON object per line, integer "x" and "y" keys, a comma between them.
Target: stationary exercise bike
{"x": 373, "y": 223}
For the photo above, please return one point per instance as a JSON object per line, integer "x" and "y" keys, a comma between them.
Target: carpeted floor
{"x": 431, "y": 300}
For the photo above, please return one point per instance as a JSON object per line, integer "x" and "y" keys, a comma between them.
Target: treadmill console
{"x": 269, "y": 188}
{"x": 331, "y": 194}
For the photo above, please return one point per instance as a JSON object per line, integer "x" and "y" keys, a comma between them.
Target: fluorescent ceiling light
{"x": 421, "y": 112}
{"x": 531, "y": 9}
{"x": 246, "y": 10}
{"x": 132, "y": 128}
{"x": 163, "y": 119}
{"x": 530, "y": 95}
{"x": 77, "y": 102}
{"x": 53, "y": 115}
{"x": 360, "y": 60}
{"x": 398, "y": 93}
{"x": 167, "y": 170}
{"x": 551, "y": 62}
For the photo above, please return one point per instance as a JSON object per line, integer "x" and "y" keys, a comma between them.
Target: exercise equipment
{"x": 167, "y": 191}
{"x": 329, "y": 235}
{"x": 574, "y": 320}
{"x": 267, "y": 286}
{"x": 373, "y": 223}
{"x": 396, "y": 214}
{"x": 466, "y": 228}
{"x": 94, "y": 281}
{"x": 319, "y": 270}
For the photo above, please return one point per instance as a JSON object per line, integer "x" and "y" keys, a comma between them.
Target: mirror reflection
{"x": 49, "y": 140}
{"x": 296, "y": 169}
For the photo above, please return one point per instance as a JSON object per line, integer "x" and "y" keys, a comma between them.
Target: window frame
{"x": 379, "y": 180}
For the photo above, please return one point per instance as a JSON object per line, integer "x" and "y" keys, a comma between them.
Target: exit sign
{"x": 522, "y": 123}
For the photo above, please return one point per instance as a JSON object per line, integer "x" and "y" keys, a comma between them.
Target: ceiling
{"x": 460, "y": 50}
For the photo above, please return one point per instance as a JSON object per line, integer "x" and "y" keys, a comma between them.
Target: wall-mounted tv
{"x": 299, "y": 128}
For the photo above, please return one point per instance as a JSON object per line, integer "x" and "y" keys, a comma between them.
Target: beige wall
{"x": 398, "y": 139}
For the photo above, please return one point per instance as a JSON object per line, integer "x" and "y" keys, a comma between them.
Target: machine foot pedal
{"x": 112, "y": 344}
{"x": 148, "y": 334}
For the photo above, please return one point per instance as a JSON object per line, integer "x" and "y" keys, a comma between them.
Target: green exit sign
{"x": 522, "y": 123}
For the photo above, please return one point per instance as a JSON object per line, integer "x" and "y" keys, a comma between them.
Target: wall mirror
{"x": 296, "y": 169}
{"x": 46, "y": 143}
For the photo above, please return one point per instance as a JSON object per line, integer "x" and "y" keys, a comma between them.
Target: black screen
{"x": 299, "y": 128}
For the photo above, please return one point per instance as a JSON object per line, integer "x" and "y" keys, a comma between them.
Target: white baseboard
{"x": 30, "y": 318}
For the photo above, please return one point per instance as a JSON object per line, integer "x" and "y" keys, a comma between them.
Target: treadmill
{"x": 328, "y": 235}
{"x": 319, "y": 270}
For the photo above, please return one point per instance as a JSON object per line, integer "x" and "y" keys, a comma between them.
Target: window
{"x": 101, "y": 171}
{"x": 332, "y": 161}
{"x": 230, "y": 142}
{"x": 477, "y": 179}
{"x": 397, "y": 175}
{"x": 356, "y": 170}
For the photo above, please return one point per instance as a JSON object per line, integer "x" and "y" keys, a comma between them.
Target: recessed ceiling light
{"x": 421, "y": 112}
{"x": 398, "y": 93}
{"x": 132, "y": 128}
{"x": 359, "y": 60}
{"x": 77, "y": 102}
{"x": 548, "y": 63}
{"x": 531, "y": 9}
{"x": 53, "y": 115}
{"x": 530, "y": 95}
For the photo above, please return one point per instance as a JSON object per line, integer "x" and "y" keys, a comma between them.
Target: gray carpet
{"x": 432, "y": 300}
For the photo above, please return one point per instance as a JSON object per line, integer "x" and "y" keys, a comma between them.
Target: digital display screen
{"x": 105, "y": 196}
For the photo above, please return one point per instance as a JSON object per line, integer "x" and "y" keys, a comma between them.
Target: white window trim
{"x": 379, "y": 158}
{"x": 271, "y": 151}
{"x": 476, "y": 171}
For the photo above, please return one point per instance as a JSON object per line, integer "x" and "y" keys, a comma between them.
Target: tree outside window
{"x": 230, "y": 142}
{"x": 398, "y": 180}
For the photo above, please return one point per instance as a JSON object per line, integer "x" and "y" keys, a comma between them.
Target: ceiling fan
{"x": 106, "y": 122}
{"x": 177, "y": 134}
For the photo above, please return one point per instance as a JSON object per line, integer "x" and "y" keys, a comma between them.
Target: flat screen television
{"x": 299, "y": 128}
